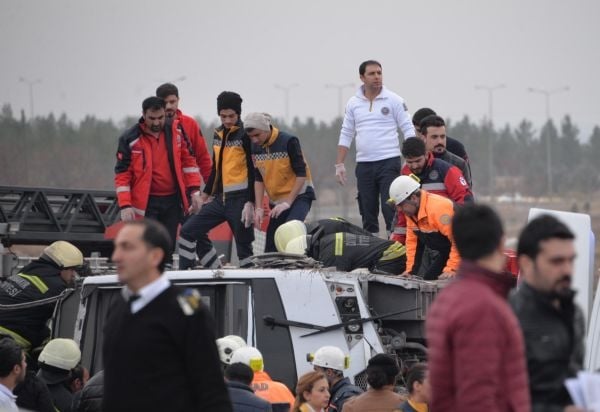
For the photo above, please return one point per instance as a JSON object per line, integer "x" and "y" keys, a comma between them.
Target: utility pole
{"x": 340, "y": 90}
{"x": 547, "y": 93}
{"x": 492, "y": 170}
{"x": 286, "y": 98}
{"x": 30, "y": 83}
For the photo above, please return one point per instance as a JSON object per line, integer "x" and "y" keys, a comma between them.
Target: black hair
{"x": 541, "y": 228}
{"x": 76, "y": 373}
{"x": 153, "y": 103}
{"x": 363, "y": 66}
{"x": 381, "y": 371}
{"x": 421, "y": 114}
{"x": 155, "y": 235}
{"x": 433, "y": 120}
{"x": 413, "y": 147}
{"x": 239, "y": 372}
{"x": 11, "y": 354}
{"x": 415, "y": 374}
{"x": 477, "y": 231}
{"x": 167, "y": 89}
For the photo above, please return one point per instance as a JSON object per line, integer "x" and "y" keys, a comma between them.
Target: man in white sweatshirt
{"x": 374, "y": 115}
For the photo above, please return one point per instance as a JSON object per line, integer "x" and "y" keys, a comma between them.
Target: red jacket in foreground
{"x": 133, "y": 171}
{"x": 476, "y": 351}
{"x": 194, "y": 134}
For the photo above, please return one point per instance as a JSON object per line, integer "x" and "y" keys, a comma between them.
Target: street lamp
{"x": 547, "y": 93}
{"x": 30, "y": 83}
{"x": 340, "y": 89}
{"x": 490, "y": 91}
{"x": 286, "y": 97}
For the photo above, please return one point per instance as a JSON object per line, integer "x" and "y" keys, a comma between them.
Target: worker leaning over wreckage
{"x": 338, "y": 243}
{"x": 43, "y": 278}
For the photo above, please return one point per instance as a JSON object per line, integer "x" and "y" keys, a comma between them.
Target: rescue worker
{"x": 272, "y": 391}
{"x": 419, "y": 389}
{"x": 433, "y": 130}
{"x": 43, "y": 278}
{"x": 155, "y": 172}
{"x": 429, "y": 223}
{"x": 452, "y": 145}
{"x": 281, "y": 170}
{"x": 56, "y": 361}
{"x": 347, "y": 251}
{"x": 228, "y": 195}
{"x": 435, "y": 175}
{"x": 227, "y": 345}
{"x": 331, "y": 361}
{"x": 170, "y": 94}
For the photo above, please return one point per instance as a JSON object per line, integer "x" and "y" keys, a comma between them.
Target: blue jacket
{"x": 243, "y": 399}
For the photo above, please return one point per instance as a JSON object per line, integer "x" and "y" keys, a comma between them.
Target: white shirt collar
{"x": 4, "y": 390}
{"x": 147, "y": 293}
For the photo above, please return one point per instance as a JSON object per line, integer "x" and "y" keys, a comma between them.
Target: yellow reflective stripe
{"x": 35, "y": 281}
{"x": 339, "y": 244}
{"x": 21, "y": 341}
{"x": 394, "y": 251}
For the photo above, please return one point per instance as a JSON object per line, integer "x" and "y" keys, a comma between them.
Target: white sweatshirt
{"x": 376, "y": 125}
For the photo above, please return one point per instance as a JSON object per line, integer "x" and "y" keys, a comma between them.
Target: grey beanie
{"x": 261, "y": 121}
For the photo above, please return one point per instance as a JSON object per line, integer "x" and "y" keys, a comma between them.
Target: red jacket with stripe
{"x": 133, "y": 171}
{"x": 194, "y": 134}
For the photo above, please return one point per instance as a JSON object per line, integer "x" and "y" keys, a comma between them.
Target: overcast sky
{"x": 104, "y": 57}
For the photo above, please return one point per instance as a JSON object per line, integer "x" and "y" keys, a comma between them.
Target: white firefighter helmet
{"x": 288, "y": 231}
{"x": 402, "y": 187}
{"x": 227, "y": 345}
{"x": 61, "y": 353}
{"x": 64, "y": 254}
{"x": 330, "y": 357}
{"x": 297, "y": 245}
{"x": 250, "y": 356}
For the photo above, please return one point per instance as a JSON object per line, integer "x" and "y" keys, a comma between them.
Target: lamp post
{"x": 30, "y": 83}
{"x": 340, "y": 90}
{"x": 286, "y": 97}
{"x": 492, "y": 170}
{"x": 547, "y": 93}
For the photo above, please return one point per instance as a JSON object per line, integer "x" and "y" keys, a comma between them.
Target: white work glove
{"x": 279, "y": 209}
{"x": 197, "y": 202}
{"x": 259, "y": 214}
{"x": 340, "y": 173}
{"x": 248, "y": 214}
{"x": 127, "y": 214}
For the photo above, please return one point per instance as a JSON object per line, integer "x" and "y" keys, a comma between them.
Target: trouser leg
{"x": 297, "y": 211}
{"x": 244, "y": 236}
{"x": 168, "y": 211}
{"x": 387, "y": 170}
{"x": 368, "y": 196}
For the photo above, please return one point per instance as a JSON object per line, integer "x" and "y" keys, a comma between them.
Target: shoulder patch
{"x": 462, "y": 181}
{"x": 445, "y": 219}
{"x": 189, "y": 300}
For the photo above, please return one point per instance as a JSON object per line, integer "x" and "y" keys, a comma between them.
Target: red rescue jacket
{"x": 194, "y": 134}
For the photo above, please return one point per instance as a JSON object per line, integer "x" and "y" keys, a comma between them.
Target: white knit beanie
{"x": 261, "y": 121}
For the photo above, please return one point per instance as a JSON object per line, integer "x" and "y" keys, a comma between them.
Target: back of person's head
{"x": 416, "y": 373}
{"x": 250, "y": 356}
{"x": 11, "y": 354}
{"x": 239, "y": 372}
{"x": 432, "y": 120}
{"x": 306, "y": 383}
{"x": 413, "y": 148}
{"x": 363, "y": 66}
{"x": 167, "y": 89}
{"x": 155, "y": 235}
{"x": 153, "y": 103}
{"x": 421, "y": 114}
{"x": 477, "y": 231}
{"x": 382, "y": 370}
{"x": 538, "y": 230}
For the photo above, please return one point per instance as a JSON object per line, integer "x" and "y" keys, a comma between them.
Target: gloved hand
{"x": 280, "y": 208}
{"x": 447, "y": 275}
{"x": 248, "y": 214}
{"x": 197, "y": 203}
{"x": 340, "y": 173}
{"x": 127, "y": 214}
{"x": 259, "y": 214}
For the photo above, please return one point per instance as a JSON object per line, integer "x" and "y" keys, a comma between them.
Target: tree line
{"x": 51, "y": 151}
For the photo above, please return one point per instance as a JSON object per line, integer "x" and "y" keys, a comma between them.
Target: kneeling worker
{"x": 429, "y": 219}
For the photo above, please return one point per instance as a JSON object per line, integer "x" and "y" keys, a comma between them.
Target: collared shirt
{"x": 8, "y": 401}
{"x": 147, "y": 293}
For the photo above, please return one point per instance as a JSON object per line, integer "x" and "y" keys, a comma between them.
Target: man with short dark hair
{"x": 157, "y": 329}
{"x": 433, "y": 131}
{"x": 553, "y": 325}
{"x": 239, "y": 378}
{"x": 452, "y": 145}
{"x": 476, "y": 353}
{"x": 170, "y": 94}
{"x": 374, "y": 115}
{"x": 13, "y": 367}
{"x": 155, "y": 173}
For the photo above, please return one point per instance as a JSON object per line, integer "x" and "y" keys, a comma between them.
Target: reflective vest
{"x": 230, "y": 159}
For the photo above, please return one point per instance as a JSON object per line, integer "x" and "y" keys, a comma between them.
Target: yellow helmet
{"x": 64, "y": 254}
{"x": 297, "y": 245}
{"x": 288, "y": 231}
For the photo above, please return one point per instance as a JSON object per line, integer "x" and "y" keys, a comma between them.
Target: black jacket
{"x": 340, "y": 393}
{"x": 243, "y": 399}
{"x": 553, "y": 344}
{"x": 33, "y": 394}
{"x": 90, "y": 399}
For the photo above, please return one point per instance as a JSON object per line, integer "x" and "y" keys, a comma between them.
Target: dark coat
{"x": 90, "y": 399}
{"x": 243, "y": 399}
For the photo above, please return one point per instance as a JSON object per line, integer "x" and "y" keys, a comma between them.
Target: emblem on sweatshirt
{"x": 385, "y": 110}
{"x": 445, "y": 219}
{"x": 433, "y": 175}
{"x": 189, "y": 300}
